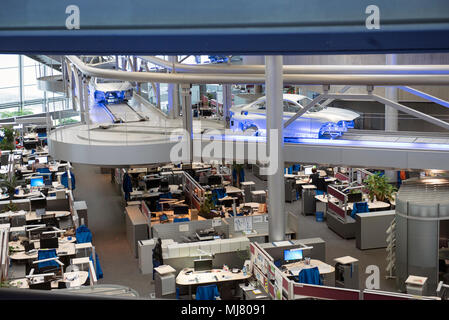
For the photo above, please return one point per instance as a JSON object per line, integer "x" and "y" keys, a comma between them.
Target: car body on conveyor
{"x": 318, "y": 122}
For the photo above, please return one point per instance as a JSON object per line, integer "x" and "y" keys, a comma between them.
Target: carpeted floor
{"x": 107, "y": 223}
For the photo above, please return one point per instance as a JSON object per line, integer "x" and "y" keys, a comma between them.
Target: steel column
{"x": 227, "y": 104}
{"x": 187, "y": 120}
{"x": 173, "y": 93}
{"x": 275, "y": 144}
{"x": 391, "y": 93}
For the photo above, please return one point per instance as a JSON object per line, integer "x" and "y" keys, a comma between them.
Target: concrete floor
{"x": 107, "y": 223}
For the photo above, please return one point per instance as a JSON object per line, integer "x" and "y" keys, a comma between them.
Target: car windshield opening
{"x": 305, "y": 101}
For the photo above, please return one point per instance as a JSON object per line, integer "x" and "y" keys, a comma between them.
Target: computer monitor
{"x": 38, "y": 203}
{"x": 293, "y": 255}
{"x": 49, "y": 243}
{"x": 213, "y": 180}
{"x": 42, "y": 159}
{"x": 153, "y": 183}
{"x": 202, "y": 264}
{"x": 30, "y": 162}
{"x": 164, "y": 186}
{"x": 37, "y": 181}
{"x": 181, "y": 209}
{"x": 40, "y": 286}
{"x": 308, "y": 170}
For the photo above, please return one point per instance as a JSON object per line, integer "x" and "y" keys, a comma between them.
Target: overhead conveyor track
{"x": 123, "y": 145}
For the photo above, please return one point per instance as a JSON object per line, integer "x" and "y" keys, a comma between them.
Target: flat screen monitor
{"x": 213, "y": 180}
{"x": 42, "y": 159}
{"x": 181, "y": 210}
{"x": 38, "y": 203}
{"x": 293, "y": 255}
{"x": 202, "y": 265}
{"x": 50, "y": 243}
{"x": 308, "y": 170}
{"x": 30, "y": 162}
{"x": 37, "y": 181}
{"x": 153, "y": 183}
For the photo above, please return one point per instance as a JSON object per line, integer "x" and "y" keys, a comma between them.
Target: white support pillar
{"x": 227, "y": 104}
{"x": 187, "y": 120}
{"x": 173, "y": 94}
{"x": 275, "y": 144}
{"x": 391, "y": 114}
{"x": 81, "y": 98}
{"x": 85, "y": 83}
{"x": 391, "y": 93}
{"x": 158, "y": 95}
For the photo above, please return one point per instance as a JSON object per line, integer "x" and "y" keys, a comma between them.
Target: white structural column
{"x": 173, "y": 94}
{"x": 81, "y": 97}
{"x": 227, "y": 104}
{"x": 187, "y": 120}
{"x": 84, "y": 90}
{"x": 275, "y": 144}
{"x": 391, "y": 93}
{"x": 391, "y": 114}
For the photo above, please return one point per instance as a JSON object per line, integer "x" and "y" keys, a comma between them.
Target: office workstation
{"x": 234, "y": 177}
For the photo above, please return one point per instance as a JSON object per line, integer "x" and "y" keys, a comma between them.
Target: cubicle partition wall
{"x": 254, "y": 227}
{"x": 193, "y": 191}
{"x": 4, "y": 250}
{"x": 181, "y": 231}
{"x": 278, "y": 286}
{"x": 231, "y": 252}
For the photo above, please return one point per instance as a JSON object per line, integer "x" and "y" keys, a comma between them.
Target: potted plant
{"x": 10, "y": 184}
{"x": 379, "y": 187}
{"x": 7, "y": 143}
{"x": 206, "y": 206}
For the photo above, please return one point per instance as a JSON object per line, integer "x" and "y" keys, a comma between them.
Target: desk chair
{"x": 47, "y": 266}
{"x": 359, "y": 207}
{"x": 209, "y": 292}
{"x": 43, "y": 170}
{"x": 309, "y": 276}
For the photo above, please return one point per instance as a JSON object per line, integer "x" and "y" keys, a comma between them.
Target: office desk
{"x": 65, "y": 249}
{"x": 74, "y": 279}
{"x": 31, "y": 194}
{"x": 171, "y": 216}
{"x": 215, "y": 276}
{"x": 232, "y": 189}
{"x": 295, "y": 267}
{"x": 372, "y": 205}
{"x": 19, "y": 247}
{"x": 58, "y": 214}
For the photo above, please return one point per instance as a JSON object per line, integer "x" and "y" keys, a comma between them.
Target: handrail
{"x": 301, "y": 69}
{"x": 304, "y": 79}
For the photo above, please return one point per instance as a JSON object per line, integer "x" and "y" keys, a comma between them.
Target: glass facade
{"x": 19, "y": 90}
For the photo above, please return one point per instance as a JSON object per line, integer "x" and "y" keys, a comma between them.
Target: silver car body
{"x": 317, "y": 122}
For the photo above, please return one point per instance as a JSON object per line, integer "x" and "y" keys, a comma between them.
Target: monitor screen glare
{"x": 37, "y": 181}
{"x": 292, "y": 255}
{"x": 42, "y": 159}
{"x": 308, "y": 170}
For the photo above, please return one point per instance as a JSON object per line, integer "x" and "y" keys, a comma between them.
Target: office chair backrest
{"x": 309, "y": 276}
{"x": 209, "y": 292}
{"x": 43, "y": 170}
{"x": 45, "y": 254}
